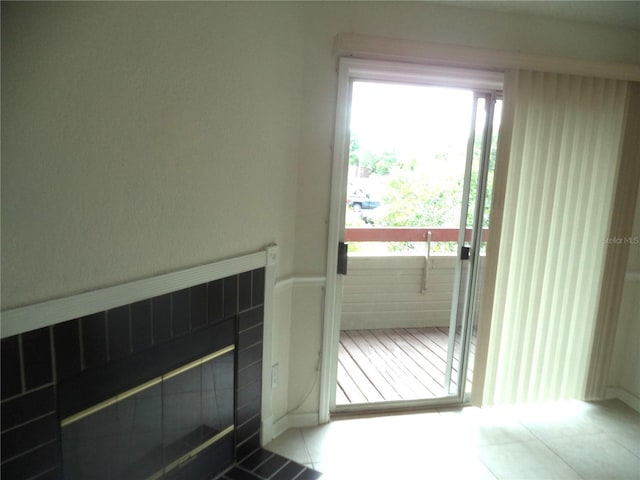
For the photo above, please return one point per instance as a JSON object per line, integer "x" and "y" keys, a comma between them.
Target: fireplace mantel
{"x": 65, "y": 359}
{"x": 43, "y": 314}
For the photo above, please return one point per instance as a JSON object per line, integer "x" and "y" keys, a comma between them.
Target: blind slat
{"x": 562, "y": 168}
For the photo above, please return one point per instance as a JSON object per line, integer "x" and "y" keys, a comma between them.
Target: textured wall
{"x": 625, "y": 363}
{"x": 141, "y": 138}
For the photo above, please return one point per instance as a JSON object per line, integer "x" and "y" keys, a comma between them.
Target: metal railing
{"x": 406, "y": 234}
{"x": 410, "y": 234}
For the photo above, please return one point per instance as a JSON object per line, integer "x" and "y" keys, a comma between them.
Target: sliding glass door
{"x": 417, "y": 184}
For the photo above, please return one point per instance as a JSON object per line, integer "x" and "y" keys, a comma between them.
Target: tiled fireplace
{"x": 168, "y": 387}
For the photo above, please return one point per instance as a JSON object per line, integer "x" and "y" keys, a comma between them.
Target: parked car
{"x": 359, "y": 200}
{"x": 375, "y": 216}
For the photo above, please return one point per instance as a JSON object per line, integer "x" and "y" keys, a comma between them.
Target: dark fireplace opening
{"x": 154, "y": 428}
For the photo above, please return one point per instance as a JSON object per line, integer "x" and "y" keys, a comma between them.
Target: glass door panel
{"x": 492, "y": 107}
{"x": 474, "y": 224}
{"x": 414, "y": 183}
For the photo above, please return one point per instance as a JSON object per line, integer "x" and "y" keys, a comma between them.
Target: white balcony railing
{"x": 392, "y": 291}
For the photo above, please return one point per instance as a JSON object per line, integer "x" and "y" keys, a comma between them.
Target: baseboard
{"x": 280, "y": 426}
{"x": 625, "y": 396}
{"x": 273, "y": 429}
{"x": 303, "y": 420}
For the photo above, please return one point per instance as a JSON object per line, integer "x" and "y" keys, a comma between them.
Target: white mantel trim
{"x": 31, "y": 317}
{"x": 300, "y": 281}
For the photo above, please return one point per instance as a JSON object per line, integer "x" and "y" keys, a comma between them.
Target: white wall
{"x": 624, "y": 372}
{"x": 633, "y": 262}
{"x": 140, "y": 138}
{"x": 280, "y": 351}
{"x": 388, "y": 292}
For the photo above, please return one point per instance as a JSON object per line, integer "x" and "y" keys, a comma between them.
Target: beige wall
{"x": 633, "y": 262}
{"x": 625, "y": 364}
{"x": 140, "y": 138}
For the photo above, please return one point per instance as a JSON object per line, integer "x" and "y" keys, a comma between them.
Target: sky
{"x": 416, "y": 121}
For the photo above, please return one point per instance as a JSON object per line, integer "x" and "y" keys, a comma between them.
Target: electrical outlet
{"x": 275, "y": 376}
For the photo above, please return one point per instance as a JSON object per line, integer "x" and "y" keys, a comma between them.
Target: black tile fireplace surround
{"x": 196, "y": 352}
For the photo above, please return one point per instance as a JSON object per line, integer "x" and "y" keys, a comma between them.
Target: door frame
{"x": 350, "y": 70}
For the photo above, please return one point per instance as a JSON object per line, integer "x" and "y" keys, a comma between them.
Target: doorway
{"x": 417, "y": 171}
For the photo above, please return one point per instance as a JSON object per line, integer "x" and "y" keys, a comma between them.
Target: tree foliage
{"x": 418, "y": 197}
{"x": 424, "y": 192}
{"x": 379, "y": 163}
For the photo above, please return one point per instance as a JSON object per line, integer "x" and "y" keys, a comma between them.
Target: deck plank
{"x": 423, "y": 357}
{"x": 395, "y": 364}
{"x": 347, "y": 390}
{"x": 434, "y": 336}
{"x": 424, "y": 383}
{"x": 367, "y": 366}
{"x": 341, "y": 397}
{"x": 396, "y": 374}
{"x": 429, "y": 346}
{"x": 362, "y": 383}
{"x": 442, "y": 333}
{"x": 437, "y": 345}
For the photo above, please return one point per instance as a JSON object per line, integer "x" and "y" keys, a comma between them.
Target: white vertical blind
{"x": 562, "y": 170}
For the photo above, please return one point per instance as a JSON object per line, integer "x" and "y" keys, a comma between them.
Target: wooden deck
{"x": 395, "y": 364}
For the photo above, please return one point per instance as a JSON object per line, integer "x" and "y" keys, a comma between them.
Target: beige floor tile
{"x": 485, "y": 427}
{"x": 546, "y": 442}
{"x": 559, "y": 419}
{"x": 526, "y": 460}
{"x": 597, "y": 457}
{"x": 613, "y": 416}
{"x": 429, "y": 465}
{"x": 399, "y": 435}
{"x": 290, "y": 445}
{"x": 628, "y": 437}
{"x": 334, "y": 440}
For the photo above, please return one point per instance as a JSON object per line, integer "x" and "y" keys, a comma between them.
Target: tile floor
{"x": 265, "y": 465}
{"x": 566, "y": 440}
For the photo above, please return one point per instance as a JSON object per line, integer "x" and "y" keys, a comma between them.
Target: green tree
{"x": 379, "y": 163}
{"x": 354, "y": 150}
{"x": 418, "y": 196}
